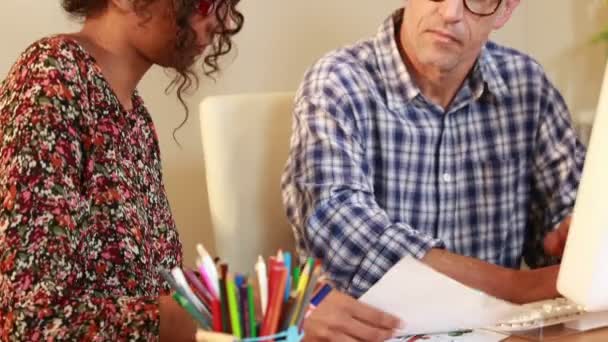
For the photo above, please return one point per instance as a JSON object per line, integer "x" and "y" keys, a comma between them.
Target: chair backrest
{"x": 246, "y": 143}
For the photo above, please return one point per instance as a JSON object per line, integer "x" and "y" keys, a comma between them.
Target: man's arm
{"x": 329, "y": 195}
{"x": 557, "y": 168}
{"x": 516, "y": 286}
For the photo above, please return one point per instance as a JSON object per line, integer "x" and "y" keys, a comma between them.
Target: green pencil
{"x": 233, "y": 308}
{"x": 296, "y": 277}
{"x": 311, "y": 262}
{"x": 251, "y": 305}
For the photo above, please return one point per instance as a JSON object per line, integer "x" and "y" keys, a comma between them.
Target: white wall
{"x": 281, "y": 38}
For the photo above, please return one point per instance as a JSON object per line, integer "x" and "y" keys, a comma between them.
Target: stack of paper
{"x": 430, "y": 302}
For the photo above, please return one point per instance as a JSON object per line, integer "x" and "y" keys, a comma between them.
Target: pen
{"x": 318, "y": 298}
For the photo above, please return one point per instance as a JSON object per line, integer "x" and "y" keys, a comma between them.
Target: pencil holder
{"x": 289, "y": 335}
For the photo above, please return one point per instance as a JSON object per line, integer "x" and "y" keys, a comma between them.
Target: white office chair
{"x": 245, "y": 143}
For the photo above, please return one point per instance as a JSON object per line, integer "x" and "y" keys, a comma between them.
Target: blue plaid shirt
{"x": 377, "y": 172}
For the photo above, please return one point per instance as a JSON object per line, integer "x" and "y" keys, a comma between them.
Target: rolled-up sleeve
{"x": 329, "y": 198}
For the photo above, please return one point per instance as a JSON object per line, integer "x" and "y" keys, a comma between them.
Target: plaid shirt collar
{"x": 398, "y": 81}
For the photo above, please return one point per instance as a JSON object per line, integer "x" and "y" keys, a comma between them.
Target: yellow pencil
{"x": 300, "y": 293}
{"x": 304, "y": 279}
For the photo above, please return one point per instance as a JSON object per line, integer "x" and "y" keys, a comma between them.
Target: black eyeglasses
{"x": 481, "y": 8}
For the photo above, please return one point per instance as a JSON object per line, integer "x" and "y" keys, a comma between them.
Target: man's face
{"x": 445, "y": 34}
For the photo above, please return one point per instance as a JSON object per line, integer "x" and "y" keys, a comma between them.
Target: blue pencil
{"x": 239, "y": 280}
{"x": 287, "y": 261}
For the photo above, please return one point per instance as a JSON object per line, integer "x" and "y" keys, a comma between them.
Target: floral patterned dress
{"x": 84, "y": 218}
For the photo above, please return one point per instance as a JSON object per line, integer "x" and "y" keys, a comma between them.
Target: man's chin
{"x": 441, "y": 61}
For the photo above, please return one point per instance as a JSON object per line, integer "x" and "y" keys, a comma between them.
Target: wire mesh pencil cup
{"x": 290, "y": 335}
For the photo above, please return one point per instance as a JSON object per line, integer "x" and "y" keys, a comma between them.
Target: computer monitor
{"x": 583, "y": 276}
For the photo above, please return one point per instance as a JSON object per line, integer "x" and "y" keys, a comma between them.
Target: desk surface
{"x": 564, "y": 335}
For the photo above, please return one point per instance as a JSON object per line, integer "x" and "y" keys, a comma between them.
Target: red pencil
{"x": 272, "y": 282}
{"x": 278, "y": 274}
{"x": 216, "y": 312}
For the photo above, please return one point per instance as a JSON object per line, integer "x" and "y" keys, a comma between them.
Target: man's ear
{"x": 505, "y": 13}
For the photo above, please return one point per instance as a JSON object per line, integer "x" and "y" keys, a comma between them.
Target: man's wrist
{"x": 533, "y": 285}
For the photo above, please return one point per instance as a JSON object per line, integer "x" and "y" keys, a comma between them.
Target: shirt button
{"x": 447, "y": 177}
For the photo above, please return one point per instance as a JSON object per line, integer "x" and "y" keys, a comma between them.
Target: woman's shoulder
{"x": 53, "y": 72}
{"x": 59, "y": 55}
{"x": 61, "y": 46}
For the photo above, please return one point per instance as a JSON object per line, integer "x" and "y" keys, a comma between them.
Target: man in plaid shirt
{"x": 430, "y": 141}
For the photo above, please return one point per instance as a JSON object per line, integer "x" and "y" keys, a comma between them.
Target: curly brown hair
{"x": 230, "y": 22}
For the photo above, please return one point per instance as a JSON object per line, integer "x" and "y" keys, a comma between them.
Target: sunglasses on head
{"x": 206, "y": 7}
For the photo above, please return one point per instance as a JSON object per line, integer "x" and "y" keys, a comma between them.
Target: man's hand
{"x": 342, "y": 318}
{"x": 555, "y": 241}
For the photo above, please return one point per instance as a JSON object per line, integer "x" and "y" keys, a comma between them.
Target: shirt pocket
{"x": 492, "y": 189}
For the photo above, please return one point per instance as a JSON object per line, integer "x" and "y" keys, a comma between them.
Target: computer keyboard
{"x": 542, "y": 314}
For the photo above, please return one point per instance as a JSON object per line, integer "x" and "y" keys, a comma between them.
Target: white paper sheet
{"x": 430, "y": 302}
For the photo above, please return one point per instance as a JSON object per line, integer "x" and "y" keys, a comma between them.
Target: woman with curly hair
{"x": 84, "y": 219}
